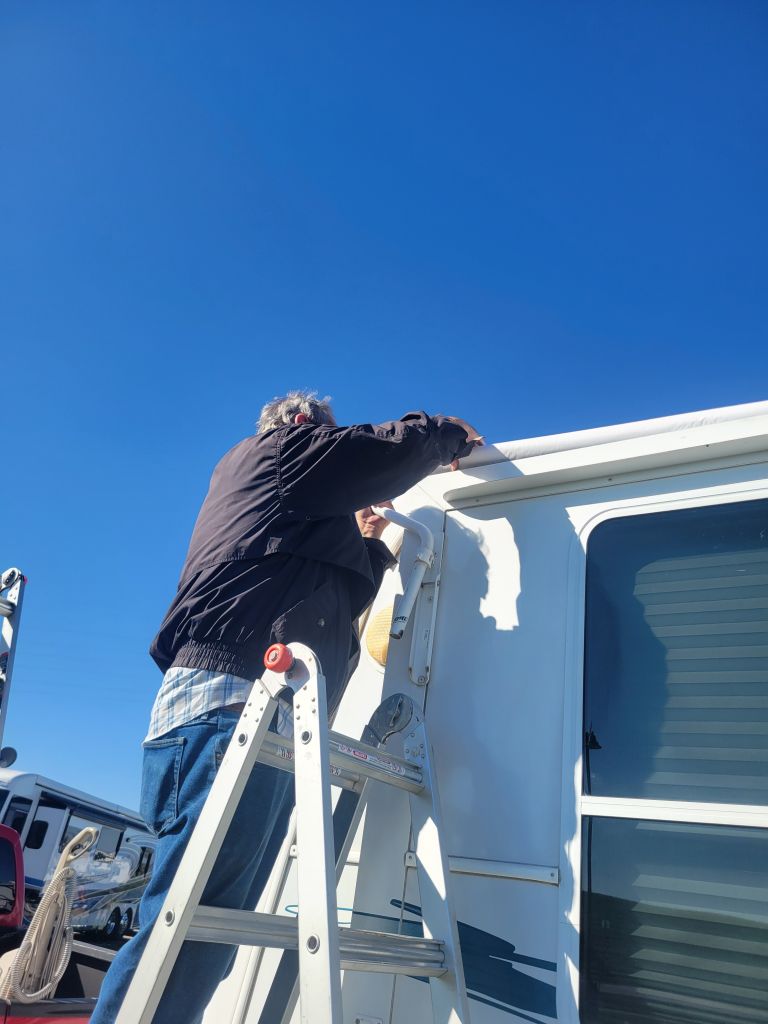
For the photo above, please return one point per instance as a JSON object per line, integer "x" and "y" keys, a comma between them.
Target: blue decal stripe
{"x": 529, "y": 961}
{"x": 506, "y": 1009}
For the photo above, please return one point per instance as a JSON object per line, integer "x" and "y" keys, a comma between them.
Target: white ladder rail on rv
{"x": 423, "y": 560}
{"x": 318, "y": 760}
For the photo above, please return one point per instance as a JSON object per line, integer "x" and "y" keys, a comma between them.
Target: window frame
{"x": 576, "y": 805}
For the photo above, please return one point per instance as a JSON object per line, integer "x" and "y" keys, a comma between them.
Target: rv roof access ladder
{"x": 318, "y": 758}
{"x": 12, "y": 584}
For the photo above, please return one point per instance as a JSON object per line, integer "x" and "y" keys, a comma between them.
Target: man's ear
{"x": 300, "y": 417}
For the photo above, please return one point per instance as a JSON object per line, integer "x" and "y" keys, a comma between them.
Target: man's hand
{"x": 371, "y": 525}
{"x": 472, "y": 435}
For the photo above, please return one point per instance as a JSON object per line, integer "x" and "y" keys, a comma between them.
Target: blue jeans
{"x": 179, "y": 770}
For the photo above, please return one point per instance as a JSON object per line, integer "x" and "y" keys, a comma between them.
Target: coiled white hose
{"x": 34, "y": 970}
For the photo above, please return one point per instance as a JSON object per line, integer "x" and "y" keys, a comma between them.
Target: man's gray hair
{"x": 280, "y": 411}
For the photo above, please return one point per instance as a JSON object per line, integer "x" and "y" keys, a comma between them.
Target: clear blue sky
{"x": 537, "y": 215}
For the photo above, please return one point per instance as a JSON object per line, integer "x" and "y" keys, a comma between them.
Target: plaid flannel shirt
{"x": 187, "y": 693}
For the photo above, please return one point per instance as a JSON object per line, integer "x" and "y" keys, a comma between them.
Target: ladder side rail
{"x": 283, "y": 994}
{"x": 392, "y": 716}
{"x": 450, "y": 1004}
{"x": 319, "y": 959}
{"x": 176, "y": 914}
{"x": 270, "y": 902}
{"x": 14, "y": 583}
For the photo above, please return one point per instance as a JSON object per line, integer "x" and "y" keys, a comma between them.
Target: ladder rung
{"x": 7, "y": 608}
{"x": 351, "y": 762}
{"x": 360, "y": 950}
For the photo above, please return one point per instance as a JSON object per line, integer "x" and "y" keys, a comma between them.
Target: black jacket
{"x": 276, "y": 553}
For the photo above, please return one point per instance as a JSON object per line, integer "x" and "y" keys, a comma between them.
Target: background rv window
{"x": 75, "y": 825}
{"x": 674, "y": 867}
{"x": 36, "y": 835}
{"x": 145, "y": 859}
{"x": 16, "y": 815}
{"x": 108, "y": 842}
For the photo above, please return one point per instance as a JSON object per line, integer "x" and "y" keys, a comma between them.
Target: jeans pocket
{"x": 159, "y": 805}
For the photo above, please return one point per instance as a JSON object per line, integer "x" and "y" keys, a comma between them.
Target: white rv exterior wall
{"x": 503, "y": 707}
{"x": 504, "y": 710}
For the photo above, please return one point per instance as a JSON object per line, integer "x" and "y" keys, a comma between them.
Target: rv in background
{"x": 112, "y": 876}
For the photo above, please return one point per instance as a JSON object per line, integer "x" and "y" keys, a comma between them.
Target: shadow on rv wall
{"x": 494, "y": 660}
{"x": 477, "y": 618}
{"x": 500, "y": 773}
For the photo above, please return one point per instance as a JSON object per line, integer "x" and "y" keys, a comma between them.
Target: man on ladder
{"x": 275, "y": 556}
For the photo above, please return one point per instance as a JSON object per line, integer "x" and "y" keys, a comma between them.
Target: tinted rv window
{"x": 108, "y": 842}
{"x": 75, "y": 826}
{"x": 145, "y": 859}
{"x": 16, "y": 815}
{"x": 36, "y": 835}
{"x": 676, "y": 656}
{"x": 674, "y": 923}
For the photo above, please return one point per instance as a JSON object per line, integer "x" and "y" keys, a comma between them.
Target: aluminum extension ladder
{"x": 12, "y": 584}
{"x": 319, "y": 759}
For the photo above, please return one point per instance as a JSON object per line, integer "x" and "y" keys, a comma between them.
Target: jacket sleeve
{"x": 381, "y": 559}
{"x": 330, "y": 471}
